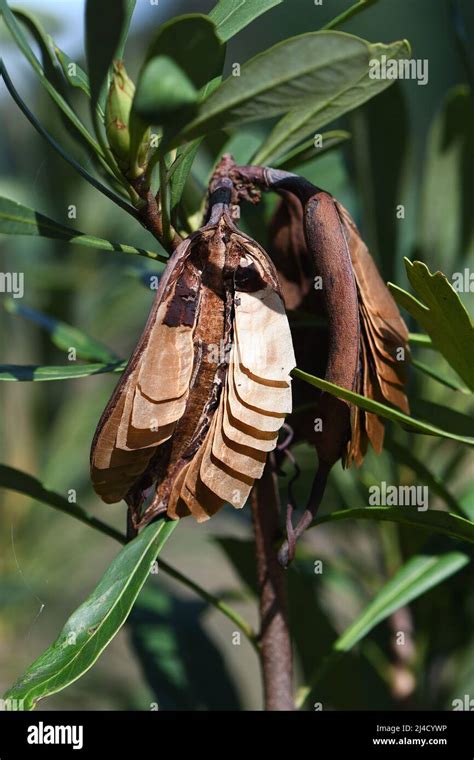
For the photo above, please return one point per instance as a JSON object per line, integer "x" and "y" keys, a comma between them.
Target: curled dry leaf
{"x": 208, "y": 387}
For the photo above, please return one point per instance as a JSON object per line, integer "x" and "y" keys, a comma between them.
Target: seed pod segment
{"x": 207, "y": 388}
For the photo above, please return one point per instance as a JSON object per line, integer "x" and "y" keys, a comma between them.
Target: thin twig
{"x": 275, "y": 643}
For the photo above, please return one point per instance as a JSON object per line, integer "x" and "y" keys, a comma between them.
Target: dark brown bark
{"x": 151, "y": 217}
{"x": 275, "y": 643}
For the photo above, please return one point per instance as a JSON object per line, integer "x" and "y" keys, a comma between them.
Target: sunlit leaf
{"x": 442, "y": 314}
{"x": 16, "y": 219}
{"x": 339, "y": 87}
{"x": 389, "y": 413}
{"x": 433, "y": 520}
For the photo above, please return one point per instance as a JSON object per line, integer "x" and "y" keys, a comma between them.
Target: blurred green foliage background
{"x": 406, "y": 148}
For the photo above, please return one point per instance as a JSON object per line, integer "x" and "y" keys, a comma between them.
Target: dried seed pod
{"x": 207, "y": 389}
{"x": 384, "y": 346}
{"x": 367, "y": 338}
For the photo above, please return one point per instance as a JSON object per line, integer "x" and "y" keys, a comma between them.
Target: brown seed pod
{"x": 206, "y": 391}
{"x": 384, "y": 346}
{"x": 367, "y": 338}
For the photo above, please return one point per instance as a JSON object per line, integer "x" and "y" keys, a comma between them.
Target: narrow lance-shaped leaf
{"x": 339, "y": 90}
{"x": 312, "y": 67}
{"x": 231, "y": 16}
{"x": 439, "y": 376}
{"x": 94, "y": 624}
{"x": 433, "y": 520}
{"x": 382, "y": 410}
{"x": 65, "y": 336}
{"x": 442, "y": 314}
{"x": 16, "y": 219}
{"x": 419, "y": 575}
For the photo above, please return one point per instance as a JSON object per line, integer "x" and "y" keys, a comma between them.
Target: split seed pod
{"x": 208, "y": 387}
{"x": 367, "y": 338}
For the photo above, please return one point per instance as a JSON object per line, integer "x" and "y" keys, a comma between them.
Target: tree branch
{"x": 275, "y": 644}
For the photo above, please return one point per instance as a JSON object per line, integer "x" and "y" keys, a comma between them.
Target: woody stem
{"x": 275, "y": 643}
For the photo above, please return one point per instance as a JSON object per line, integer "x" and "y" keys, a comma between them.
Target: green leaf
{"x": 59, "y": 149}
{"x": 390, "y": 413}
{"x": 442, "y": 314}
{"x": 282, "y": 78}
{"x": 420, "y": 574}
{"x": 20, "y": 482}
{"x": 308, "y": 151}
{"x": 106, "y": 28}
{"x": 39, "y": 373}
{"x": 340, "y": 85}
{"x": 20, "y": 39}
{"x": 231, "y": 16}
{"x": 94, "y": 624}
{"x": 65, "y": 336}
{"x": 432, "y": 520}
{"x": 74, "y": 74}
{"x": 417, "y": 576}
{"x": 164, "y": 93}
{"x": 16, "y": 219}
